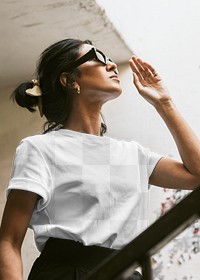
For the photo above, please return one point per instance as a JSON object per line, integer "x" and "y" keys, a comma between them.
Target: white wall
{"x": 167, "y": 34}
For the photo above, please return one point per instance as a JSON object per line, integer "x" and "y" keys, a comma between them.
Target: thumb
{"x": 136, "y": 81}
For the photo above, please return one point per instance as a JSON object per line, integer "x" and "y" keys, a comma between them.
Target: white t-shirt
{"x": 92, "y": 189}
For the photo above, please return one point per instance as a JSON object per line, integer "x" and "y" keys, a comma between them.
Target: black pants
{"x": 69, "y": 260}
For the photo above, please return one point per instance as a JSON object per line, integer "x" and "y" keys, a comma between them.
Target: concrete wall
{"x": 16, "y": 123}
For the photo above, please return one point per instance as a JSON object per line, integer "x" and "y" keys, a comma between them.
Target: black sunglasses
{"x": 93, "y": 53}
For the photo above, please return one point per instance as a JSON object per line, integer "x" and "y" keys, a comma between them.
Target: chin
{"x": 115, "y": 94}
{"x": 118, "y": 91}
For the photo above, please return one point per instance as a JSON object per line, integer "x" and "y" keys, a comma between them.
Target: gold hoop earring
{"x": 78, "y": 90}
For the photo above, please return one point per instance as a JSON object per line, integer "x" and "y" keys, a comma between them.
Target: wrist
{"x": 164, "y": 106}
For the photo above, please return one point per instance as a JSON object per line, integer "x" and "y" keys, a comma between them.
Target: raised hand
{"x": 148, "y": 82}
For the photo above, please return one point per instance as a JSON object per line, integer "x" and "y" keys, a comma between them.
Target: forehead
{"x": 85, "y": 48}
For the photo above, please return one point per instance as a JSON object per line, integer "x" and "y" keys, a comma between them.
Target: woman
{"x": 85, "y": 194}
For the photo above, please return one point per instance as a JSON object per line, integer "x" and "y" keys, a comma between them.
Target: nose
{"x": 111, "y": 66}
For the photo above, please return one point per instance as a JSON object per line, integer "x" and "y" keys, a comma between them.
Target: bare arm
{"x": 15, "y": 221}
{"x": 185, "y": 174}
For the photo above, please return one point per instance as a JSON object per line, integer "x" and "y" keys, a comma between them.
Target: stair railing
{"x": 121, "y": 264}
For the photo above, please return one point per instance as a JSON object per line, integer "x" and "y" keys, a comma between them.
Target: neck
{"x": 85, "y": 120}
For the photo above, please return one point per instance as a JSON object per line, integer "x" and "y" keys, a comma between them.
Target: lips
{"x": 114, "y": 76}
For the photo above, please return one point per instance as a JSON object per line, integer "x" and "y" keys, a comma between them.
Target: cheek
{"x": 92, "y": 79}
{"x": 93, "y": 73}
{"x": 97, "y": 79}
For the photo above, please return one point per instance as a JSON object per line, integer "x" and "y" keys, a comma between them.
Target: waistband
{"x": 74, "y": 253}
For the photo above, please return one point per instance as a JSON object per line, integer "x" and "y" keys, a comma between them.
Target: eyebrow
{"x": 78, "y": 62}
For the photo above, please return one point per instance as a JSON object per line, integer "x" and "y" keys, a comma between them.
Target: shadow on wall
{"x": 16, "y": 124}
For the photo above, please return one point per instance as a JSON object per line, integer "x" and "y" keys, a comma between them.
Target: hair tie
{"x": 36, "y": 91}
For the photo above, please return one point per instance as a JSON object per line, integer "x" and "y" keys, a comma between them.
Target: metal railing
{"x": 138, "y": 252}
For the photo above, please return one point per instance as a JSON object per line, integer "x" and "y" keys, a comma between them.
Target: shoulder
{"x": 131, "y": 147}
{"x": 127, "y": 144}
{"x": 38, "y": 143}
{"x": 38, "y": 139}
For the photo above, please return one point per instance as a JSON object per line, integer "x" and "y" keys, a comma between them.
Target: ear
{"x": 63, "y": 79}
{"x": 74, "y": 85}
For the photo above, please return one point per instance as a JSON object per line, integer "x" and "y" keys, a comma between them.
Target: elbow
{"x": 195, "y": 182}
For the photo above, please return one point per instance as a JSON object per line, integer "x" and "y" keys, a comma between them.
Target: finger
{"x": 142, "y": 68}
{"x": 134, "y": 69}
{"x": 150, "y": 74}
{"x": 138, "y": 63}
{"x": 151, "y": 69}
{"x": 136, "y": 82}
{"x": 147, "y": 72}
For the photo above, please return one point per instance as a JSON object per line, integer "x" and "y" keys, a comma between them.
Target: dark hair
{"x": 57, "y": 100}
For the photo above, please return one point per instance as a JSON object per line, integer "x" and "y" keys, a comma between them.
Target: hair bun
{"x": 20, "y": 96}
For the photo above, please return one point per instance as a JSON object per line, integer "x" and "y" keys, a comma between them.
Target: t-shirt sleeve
{"x": 149, "y": 158}
{"x": 153, "y": 159}
{"x": 30, "y": 172}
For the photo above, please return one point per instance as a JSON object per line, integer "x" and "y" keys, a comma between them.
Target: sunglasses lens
{"x": 101, "y": 57}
